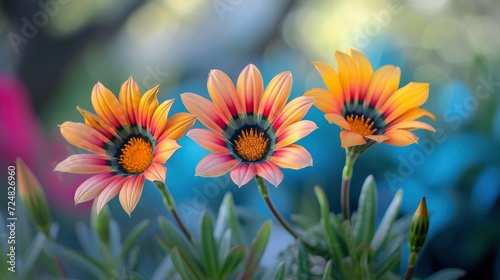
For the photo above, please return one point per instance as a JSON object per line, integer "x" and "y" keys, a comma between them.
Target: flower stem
{"x": 346, "y": 182}
{"x": 170, "y": 203}
{"x": 264, "y": 192}
{"x": 412, "y": 262}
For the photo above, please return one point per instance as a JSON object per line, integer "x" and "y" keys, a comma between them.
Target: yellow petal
{"x": 250, "y": 88}
{"x": 107, "y": 106}
{"x": 130, "y": 97}
{"x": 331, "y": 80}
{"x": 350, "y": 138}
{"x": 325, "y": 101}
{"x": 177, "y": 125}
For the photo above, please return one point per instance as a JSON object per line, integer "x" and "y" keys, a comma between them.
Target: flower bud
{"x": 419, "y": 227}
{"x": 33, "y": 197}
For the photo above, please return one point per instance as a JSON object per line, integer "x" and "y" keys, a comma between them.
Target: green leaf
{"x": 180, "y": 266}
{"x": 448, "y": 274}
{"x": 31, "y": 255}
{"x": 227, "y": 219}
{"x": 302, "y": 221}
{"x": 328, "y": 271}
{"x": 257, "y": 248}
{"x": 235, "y": 256}
{"x": 391, "y": 256}
{"x": 304, "y": 271}
{"x": 208, "y": 247}
{"x": 224, "y": 246}
{"x": 132, "y": 237}
{"x": 364, "y": 227}
{"x": 279, "y": 274}
{"x": 385, "y": 225}
{"x": 365, "y": 267}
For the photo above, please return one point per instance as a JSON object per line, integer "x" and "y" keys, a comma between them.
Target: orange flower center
{"x": 136, "y": 156}
{"x": 251, "y": 146}
{"x": 361, "y": 125}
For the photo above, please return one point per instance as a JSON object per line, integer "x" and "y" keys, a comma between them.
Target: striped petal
{"x": 331, "y": 80}
{"x": 364, "y": 70}
{"x": 250, "y": 88}
{"x": 413, "y": 114}
{"x": 208, "y": 114}
{"x": 275, "y": 96}
{"x": 411, "y": 125}
{"x": 410, "y": 96}
{"x": 293, "y": 112}
{"x": 147, "y": 106}
{"x": 294, "y": 132}
{"x": 107, "y": 106}
{"x": 83, "y": 136}
{"x": 325, "y": 101}
{"x": 130, "y": 97}
{"x": 156, "y": 172}
{"x": 350, "y": 138}
{"x": 84, "y": 164}
{"x": 209, "y": 140}
{"x": 292, "y": 156}
{"x": 223, "y": 93}
{"x": 164, "y": 150}
{"x": 159, "y": 119}
{"x": 177, "y": 125}
{"x": 94, "y": 121}
{"x": 348, "y": 76}
{"x": 93, "y": 187}
{"x": 131, "y": 192}
{"x": 400, "y": 137}
{"x": 110, "y": 192}
{"x": 270, "y": 172}
{"x": 242, "y": 174}
{"x": 215, "y": 165}
{"x": 385, "y": 81}
{"x": 338, "y": 120}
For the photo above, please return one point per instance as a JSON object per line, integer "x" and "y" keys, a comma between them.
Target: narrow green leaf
{"x": 365, "y": 268}
{"x": 235, "y": 256}
{"x": 391, "y": 256}
{"x": 31, "y": 255}
{"x": 180, "y": 266}
{"x": 279, "y": 274}
{"x": 348, "y": 238}
{"x": 227, "y": 219}
{"x": 302, "y": 221}
{"x": 364, "y": 227}
{"x": 208, "y": 247}
{"x": 224, "y": 246}
{"x": 328, "y": 271}
{"x": 257, "y": 248}
{"x": 385, "y": 225}
{"x": 304, "y": 271}
{"x": 132, "y": 237}
{"x": 448, "y": 273}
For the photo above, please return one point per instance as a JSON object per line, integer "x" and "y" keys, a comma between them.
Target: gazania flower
{"x": 251, "y": 131}
{"x": 130, "y": 138}
{"x": 367, "y": 105}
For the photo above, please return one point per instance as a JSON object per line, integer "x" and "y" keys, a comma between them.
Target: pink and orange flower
{"x": 251, "y": 131}
{"x": 130, "y": 138}
{"x": 367, "y": 105}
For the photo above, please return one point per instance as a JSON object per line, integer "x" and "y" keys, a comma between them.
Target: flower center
{"x": 361, "y": 125}
{"x": 251, "y": 145}
{"x": 136, "y": 156}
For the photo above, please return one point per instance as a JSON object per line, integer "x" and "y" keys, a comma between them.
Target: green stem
{"x": 170, "y": 203}
{"x": 264, "y": 192}
{"x": 412, "y": 262}
{"x": 346, "y": 182}
{"x": 409, "y": 272}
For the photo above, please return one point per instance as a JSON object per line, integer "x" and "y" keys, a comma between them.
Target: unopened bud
{"x": 33, "y": 197}
{"x": 419, "y": 227}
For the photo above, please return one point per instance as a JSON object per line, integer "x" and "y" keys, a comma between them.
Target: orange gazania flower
{"x": 252, "y": 130}
{"x": 367, "y": 105}
{"x": 131, "y": 139}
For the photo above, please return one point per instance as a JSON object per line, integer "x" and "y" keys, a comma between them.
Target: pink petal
{"x": 294, "y": 111}
{"x": 93, "y": 187}
{"x": 242, "y": 174}
{"x": 156, "y": 172}
{"x": 290, "y": 134}
{"x": 270, "y": 172}
{"x": 223, "y": 93}
{"x": 164, "y": 150}
{"x": 250, "y": 87}
{"x": 209, "y": 140}
{"x": 84, "y": 164}
{"x": 110, "y": 191}
{"x": 131, "y": 192}
{"x": 83, "y": 136}
{"x": 350, "y": 138}
{"x": 215, "y": 165}
{"x": 275, "y": 96}
{"x": 292, "y": 156}
{"x": 208, "y": 114}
